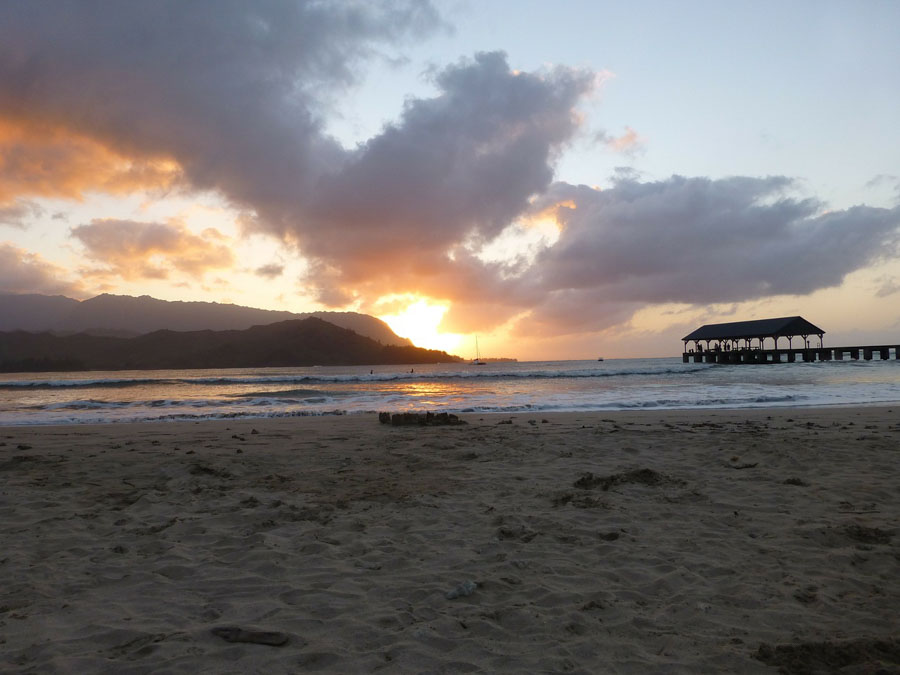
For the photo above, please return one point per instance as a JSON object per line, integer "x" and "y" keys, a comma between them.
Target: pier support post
{"x": 748, "y": 355}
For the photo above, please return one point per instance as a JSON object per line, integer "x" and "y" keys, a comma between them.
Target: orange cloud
{"x": 628, "y": 142}
{"x": 41, "y": 160}
{"x": 136, "y": 250}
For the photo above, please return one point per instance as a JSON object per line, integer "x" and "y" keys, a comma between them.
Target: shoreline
{"x": 299, "y": 415}
{"x": 701, "y": 540}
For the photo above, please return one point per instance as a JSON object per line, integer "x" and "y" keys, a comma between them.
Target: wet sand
{"x": 695, "y": 541}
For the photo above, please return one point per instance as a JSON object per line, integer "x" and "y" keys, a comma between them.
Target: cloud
{"x": 882, "y": 179}
{"x": 457, "y": 166}
{"x": 681, "y": 240}
{"x": 25, "y": 272}
{"x": 135, "y": 250}
{"x": 698, "y": 240}
{"x": 232, "y": 92}
{"x": 637, "y": 244}
{"x": 16, "y": 213}
{"x": 888, "y": 286}
{"x": 232, "y": 96}
{"x": 155, "y": 83}
{"x": 42, "y": 160}
{"x": 628, "y": 143}
{"x": 270, "y": 271}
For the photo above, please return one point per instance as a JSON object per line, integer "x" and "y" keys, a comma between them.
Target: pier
{"x": 791, "y": 355}
{"x": 746, "y": 342}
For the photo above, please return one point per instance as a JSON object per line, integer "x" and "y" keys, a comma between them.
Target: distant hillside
{"x": 123, "y": 315}
{"x": 34, "y": 312}
{"x": 303, "y": 342}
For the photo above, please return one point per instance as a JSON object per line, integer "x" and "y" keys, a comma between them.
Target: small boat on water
{"x": 600, "y": 358}
{"x": 477, "y": 361}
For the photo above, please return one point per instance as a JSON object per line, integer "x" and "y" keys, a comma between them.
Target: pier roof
{"x": 787, "y": 326}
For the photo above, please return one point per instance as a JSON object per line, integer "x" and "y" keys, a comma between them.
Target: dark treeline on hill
{"x": 302, "y": 342}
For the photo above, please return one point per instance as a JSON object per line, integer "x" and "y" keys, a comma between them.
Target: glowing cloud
{"x": 44, "y": 160}
{"x": 133, "y": 250}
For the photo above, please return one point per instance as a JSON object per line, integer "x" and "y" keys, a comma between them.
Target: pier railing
{"x": 790, "y": 355}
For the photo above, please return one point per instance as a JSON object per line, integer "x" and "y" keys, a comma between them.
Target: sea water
{"x": 509, "y": 387}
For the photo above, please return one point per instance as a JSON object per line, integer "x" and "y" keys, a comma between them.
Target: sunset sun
{"x": 419, "y": 321}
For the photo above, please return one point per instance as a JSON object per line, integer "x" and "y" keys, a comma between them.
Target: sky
{"x": 562, "y": 180}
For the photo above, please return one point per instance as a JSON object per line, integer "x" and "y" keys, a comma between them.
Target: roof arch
{"x": 788, "y": 326}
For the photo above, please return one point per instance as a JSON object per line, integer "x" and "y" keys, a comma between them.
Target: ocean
{"x": 521, "y": 387}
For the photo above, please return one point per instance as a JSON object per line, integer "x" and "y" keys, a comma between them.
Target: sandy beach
{"x": 692, "y": 542}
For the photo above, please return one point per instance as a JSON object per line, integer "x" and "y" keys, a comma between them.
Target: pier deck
{"x": 791, "y": 355}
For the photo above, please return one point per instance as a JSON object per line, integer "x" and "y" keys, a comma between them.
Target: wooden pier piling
{"x": 789, "y": 355}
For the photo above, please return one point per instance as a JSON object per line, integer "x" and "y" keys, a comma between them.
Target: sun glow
{"x": 419, "y": 321}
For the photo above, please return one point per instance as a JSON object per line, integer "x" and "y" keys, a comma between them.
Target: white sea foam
{"x": 393, "y": 376}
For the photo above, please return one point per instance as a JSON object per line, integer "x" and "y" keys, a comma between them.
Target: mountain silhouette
{"x": 124, "y": 316}
{"x": 297, "y": 342}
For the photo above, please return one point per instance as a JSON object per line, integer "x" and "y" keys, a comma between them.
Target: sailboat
{"x": 477, "y": 361}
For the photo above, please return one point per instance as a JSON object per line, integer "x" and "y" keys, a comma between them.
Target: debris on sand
{"x": 465, "y": 589}
{"x": 867, "y": 535}
{"x": 257, "y": 637}
{"x": 866, "y": 655}
{"x": 428, "y": 419}
{"x": 642, "y": 476}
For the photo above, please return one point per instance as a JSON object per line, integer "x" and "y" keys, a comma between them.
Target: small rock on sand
{"x": 466, "y": 588}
